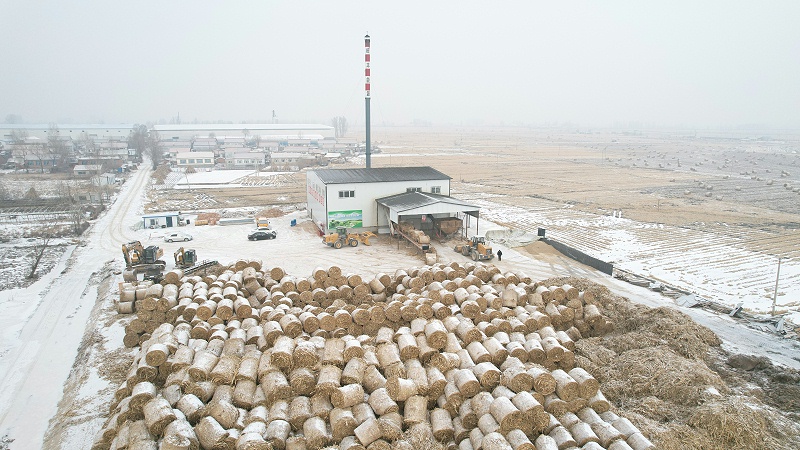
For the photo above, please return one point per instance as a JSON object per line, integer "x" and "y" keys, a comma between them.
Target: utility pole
{"x": 775, "y": 294}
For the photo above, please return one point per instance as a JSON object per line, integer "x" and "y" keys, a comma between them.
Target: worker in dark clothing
{"x": 499, "y": 255}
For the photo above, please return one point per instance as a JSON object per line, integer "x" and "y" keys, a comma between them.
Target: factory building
{"x": 379, "y": 198}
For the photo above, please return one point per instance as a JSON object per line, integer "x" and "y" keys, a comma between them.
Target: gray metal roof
{"x": 379, "y": 175}
{"x": 412, "y": 200}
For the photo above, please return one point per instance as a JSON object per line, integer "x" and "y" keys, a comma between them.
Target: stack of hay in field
{"x": 468, "y": 356}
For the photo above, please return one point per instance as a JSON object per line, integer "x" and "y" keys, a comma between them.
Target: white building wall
{"x": 315, "y": 199}
{"x": 365, "y": 195}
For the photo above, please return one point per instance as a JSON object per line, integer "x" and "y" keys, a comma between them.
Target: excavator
{"x": 185, "y": 258}
{"x": 476, "y": 248}
{"x": 139, "y": 259}
{"x": 341, "y": 237}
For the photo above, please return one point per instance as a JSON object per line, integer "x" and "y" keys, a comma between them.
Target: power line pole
{"x": 775, "y": 294}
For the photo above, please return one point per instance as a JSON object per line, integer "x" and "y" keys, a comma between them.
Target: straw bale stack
{"x": 466, "y": 355}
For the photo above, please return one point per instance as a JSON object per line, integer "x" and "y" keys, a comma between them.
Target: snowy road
{"x": 44, "y": 324}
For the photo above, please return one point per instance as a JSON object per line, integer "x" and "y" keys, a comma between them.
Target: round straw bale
{"x": 225, "y": 370}
{"x": 354, "y": 371}
{"x": 192, "y": 407}
{"x": 248, "y": 369}
{"x": 536, "y": 353}
{"x": 506, "y": 414}
{"x": 277, "y": 433}
{"x": 321, "y": 405}
{"x": 333, "y": 353}
{"x": 606, "y": 433}
{"x": 275, "y": 386}
{"x": 352, "y": 349}
{"x": 488, "y": 374}
{"x": 587, "y": 384}
{"x": 624, "y": 426}
{"x": 179, "y": 435}
{"x": 223, "y": 412}
{"x": 475, "y": 439}
{"x": 543, "y": 381}
{"x": 347, "y": 396}
{"x": 350, "y": 443}
{"x": 281, "y": 356}
{"x": 373, "y": 379}
{"x": 495, "y": 441}
{"x": 415, "y": 410}
{"x": 436, "y": 381}
{"x": 204, "y": 362}
{"x": 279, "y": 410}
{"x": 562, "y": 437}
{"x": 545, "y": 442}
{"x": 478, "y": 352}
{"x": 329, "y": 379}
{"x": 637, "y": 441}
{"x": 487, "y": 424}
{"x": 400, "y": 389}
{"x": 157, "y": 414}
{"x": 302, "y": 381}
{"x": 368, "y": 432}
{"x": 291, "y": 325}
{"x": 517, "y": 379}
{"x": 257, "y": 414}
{"x": 481, "y": 403}
{"x": 204, "y": 390}
{"x": 566, "y": 387}
{"x": 467, "y": 417}
{"x": 305, "y": 354}
{"x": 343, "y": 423}
{"x": 519, "y": 441}
{"x": 391, "y": 426}
{"x": 299, "y": 411}
{"x": 272, "y": 330}
{"x": 407, "y": 344}
{"x": 142, "y": 393}
{"x": 388, "y": 356}
{"x": 243, "y": 393}
{"x": 467, "y": 382}
{"x": 442, "y": 425}
{"x": 554, "y": 405}
{"x": 381, "y": 402}
{"x": 528, "y": 405}
{"x": 599, "y": 403}
{"x": 582, "y": 433}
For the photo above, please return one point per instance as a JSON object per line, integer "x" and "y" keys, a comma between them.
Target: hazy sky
{"x": 698, "y": 63}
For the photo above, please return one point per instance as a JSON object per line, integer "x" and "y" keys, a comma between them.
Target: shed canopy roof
{"x": 379, "y": 175}
{"x": 420, "y": 203}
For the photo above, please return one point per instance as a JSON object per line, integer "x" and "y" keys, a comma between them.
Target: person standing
{"x": 499, "y": 255}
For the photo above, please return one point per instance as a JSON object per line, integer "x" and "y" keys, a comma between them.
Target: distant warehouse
{"x": 380, "y": 198}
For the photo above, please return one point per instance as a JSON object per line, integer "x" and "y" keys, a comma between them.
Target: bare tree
{"x": 339, "y": 126}
{"x": 88, "y": 145}
{"x": 38, "y": 252}
{"x": 137, "y": 139}
{"x": 58, "y": 147}
{"x": 19, "y": 136}
{"x": 154, "y": 149}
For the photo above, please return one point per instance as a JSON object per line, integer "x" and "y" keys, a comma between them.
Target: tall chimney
{"x": 366, "y": 98}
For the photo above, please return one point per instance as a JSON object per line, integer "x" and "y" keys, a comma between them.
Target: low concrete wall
{"x": 581, "y": 257}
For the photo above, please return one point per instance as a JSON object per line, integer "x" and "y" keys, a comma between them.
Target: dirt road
{"x": 46, "y": 323}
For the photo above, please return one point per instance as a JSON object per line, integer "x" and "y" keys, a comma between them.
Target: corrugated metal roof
{"x": 412, "y": 200}
{"x": 379, "y": 175}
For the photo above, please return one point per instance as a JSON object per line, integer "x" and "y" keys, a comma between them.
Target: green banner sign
{"x": 348, "y": 219}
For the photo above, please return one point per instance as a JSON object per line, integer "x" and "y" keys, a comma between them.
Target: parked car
{"x": 262, "y": 234}
{"x": 177, "y": 236}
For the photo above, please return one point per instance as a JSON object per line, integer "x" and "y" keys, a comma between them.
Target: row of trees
{"x": 146, "y": 142}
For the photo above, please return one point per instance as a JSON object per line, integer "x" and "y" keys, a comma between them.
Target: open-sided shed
{"x": 423, "y": 210}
